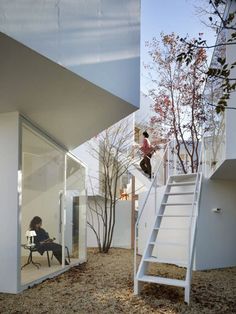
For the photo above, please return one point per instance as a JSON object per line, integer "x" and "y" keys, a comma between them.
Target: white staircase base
{"x": 163, "y": 281}
{"x": 160, "y": 223}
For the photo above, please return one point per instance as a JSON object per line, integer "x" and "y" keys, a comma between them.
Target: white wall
{"x": 144, "y": 113}
{"x": 9, "y": 215}
{"x": 83, "y": 152}
{"x": 122, "y": 229}
{"x": 99, "y": 39}
{"x": 148, "y": 216}
{"x": 86, "y": 154}
{"x": 215, "y": 241}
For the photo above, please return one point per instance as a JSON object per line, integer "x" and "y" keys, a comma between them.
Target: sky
{"x": 169, "y": 16}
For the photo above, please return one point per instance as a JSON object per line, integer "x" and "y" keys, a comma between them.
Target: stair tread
{"x": 168, "y": 243}
{"x": 181, "y": 216}
{"x": 182, "y": 183}
{"x": 174, "y": 204}
{"x": 179, "y": 193}
{"x": 161, "y": 280}
{"x": 186, "y": 175}
{"x": 164, "y": 260}
{"x": 171, "y": 228}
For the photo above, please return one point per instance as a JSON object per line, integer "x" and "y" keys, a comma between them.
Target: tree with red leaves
{"x": 177, "y": 94}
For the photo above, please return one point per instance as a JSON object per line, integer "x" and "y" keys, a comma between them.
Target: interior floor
{"x": 31, "y": 273}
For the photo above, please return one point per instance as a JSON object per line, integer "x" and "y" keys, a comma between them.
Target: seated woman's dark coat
{"x": 42, "y": 235}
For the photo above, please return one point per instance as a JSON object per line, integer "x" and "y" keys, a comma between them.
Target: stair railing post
{"x": 155, "y": 191}
{"x": 175, "y": 158}
{"x": 168, "y": 161}
{"x": 135, "y": 259}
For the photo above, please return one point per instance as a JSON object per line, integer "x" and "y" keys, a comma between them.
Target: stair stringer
{"x": 141, "y": 274}
{"x": 193, "y": 239}
{"x": 143, "y": 265}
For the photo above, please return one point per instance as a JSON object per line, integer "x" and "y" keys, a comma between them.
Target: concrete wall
{"x": 215, "y": 241}
{"x": 98, "y": 39}
{"x": 9, "y": 215}
{"x": 122, "y": 230}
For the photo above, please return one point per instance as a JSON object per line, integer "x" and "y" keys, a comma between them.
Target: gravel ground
{"x": 104, "y": 285}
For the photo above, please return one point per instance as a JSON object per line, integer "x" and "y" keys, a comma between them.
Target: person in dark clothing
{"x": 43, "y": 242}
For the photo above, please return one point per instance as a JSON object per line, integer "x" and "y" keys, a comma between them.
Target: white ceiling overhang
{"x": 67, "y": 107}
{"x": 225, "y": 171}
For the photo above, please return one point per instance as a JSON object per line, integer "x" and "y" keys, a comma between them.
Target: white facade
{"x": 216, "y": 233}
{"x": 98, "y": 40}
{"x": 9, "y": 202}
{"x": 57, "y": 61}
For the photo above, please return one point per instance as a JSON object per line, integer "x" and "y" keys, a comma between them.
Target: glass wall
{"x": 75, "y": 209}
{"x": 42, "y": 185}
{"x": 214, "y": 148}
{"x": 46, "y": 171}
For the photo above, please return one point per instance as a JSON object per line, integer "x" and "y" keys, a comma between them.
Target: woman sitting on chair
{"x": 43, "y": 242}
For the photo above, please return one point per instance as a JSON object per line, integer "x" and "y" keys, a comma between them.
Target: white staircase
{"x": 174, "y": 227}
{"x": 139, "y": 175}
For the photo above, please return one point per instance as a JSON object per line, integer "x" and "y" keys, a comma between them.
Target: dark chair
{"x": 36, "y": 264}
{"x": 30, "y": 257}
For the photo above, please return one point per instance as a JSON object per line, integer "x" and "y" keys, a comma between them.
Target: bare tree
{"x": 114, "y": 153}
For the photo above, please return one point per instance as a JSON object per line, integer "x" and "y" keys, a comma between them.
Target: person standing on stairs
{"x": 147, "y": 150}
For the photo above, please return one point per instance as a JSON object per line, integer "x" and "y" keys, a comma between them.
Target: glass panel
{"x": 75, "y": 217}
{"x": 215, "y": 136}
{"x": 42, "y": 187}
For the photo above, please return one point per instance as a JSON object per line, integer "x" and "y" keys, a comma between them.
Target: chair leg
{"x": 49, "y": 265}
{"x": 68, "y": 254}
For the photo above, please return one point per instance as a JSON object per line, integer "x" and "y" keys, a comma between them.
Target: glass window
{"x": 43, "y": 167}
